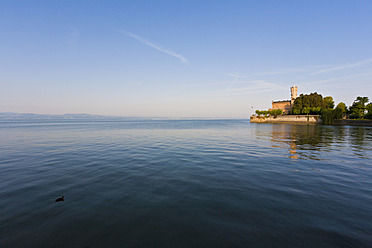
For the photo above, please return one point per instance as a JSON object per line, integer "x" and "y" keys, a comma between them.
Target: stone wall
{"x": 296, "y": 119}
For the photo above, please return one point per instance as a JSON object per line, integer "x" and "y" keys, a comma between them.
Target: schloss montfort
{"x": 284, "y": 107}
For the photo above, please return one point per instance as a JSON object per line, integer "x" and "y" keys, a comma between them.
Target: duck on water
{"x": 60, "y": 199}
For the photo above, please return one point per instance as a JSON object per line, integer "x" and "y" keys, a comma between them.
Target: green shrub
{"x": 274, "y": 112}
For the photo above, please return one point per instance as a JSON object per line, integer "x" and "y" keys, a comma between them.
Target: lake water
{"x": 184, "y": 183}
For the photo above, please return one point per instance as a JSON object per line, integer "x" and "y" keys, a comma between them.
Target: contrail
{"x": 155, "y": 46}
{"x": 351, "y": 65}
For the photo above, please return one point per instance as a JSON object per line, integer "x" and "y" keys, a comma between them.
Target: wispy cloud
{"x": 155, "y": 46}
{"x": 324, "y": 81}
{"x": 236, "y": 75}
{"x": 250, "y": 87}
{"x": 280, "y": 71}
{"x": 345, "y": 66}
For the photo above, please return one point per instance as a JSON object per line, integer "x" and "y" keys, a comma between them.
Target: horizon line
{"x": 121, "y": 116}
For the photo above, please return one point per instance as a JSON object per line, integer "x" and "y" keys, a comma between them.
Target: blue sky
{"x": 180, "y": 59}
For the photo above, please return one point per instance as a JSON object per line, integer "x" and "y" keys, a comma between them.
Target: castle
{"x": 286, "y": 105}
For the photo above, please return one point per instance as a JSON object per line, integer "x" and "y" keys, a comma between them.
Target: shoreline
{"x": 287, "y": 119}
{"x": 307, "y": 120}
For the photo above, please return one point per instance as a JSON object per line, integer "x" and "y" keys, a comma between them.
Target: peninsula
{"x": 315, "y": 109}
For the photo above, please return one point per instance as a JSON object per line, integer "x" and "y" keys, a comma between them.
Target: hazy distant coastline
{"x": 17, "y": 116}
{"x": 32, "y": 116}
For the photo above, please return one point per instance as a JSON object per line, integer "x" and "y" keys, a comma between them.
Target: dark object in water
{"x": 60, "y": 199}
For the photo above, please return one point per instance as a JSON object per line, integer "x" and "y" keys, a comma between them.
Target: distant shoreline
{"x": 82, "y": 116}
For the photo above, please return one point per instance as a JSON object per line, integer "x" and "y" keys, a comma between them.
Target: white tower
{"x": 293, "y": 93}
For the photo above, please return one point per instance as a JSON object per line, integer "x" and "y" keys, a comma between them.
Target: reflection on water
{"x": 293, "y": 151}
{"x": 315, "y": 141}
{"x": 360, "y": 138}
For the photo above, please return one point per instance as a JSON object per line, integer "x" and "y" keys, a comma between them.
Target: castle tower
{"x": 293, "y": 93}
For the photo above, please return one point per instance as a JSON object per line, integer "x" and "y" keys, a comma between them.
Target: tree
{"x": 306, "y": 110}
{"x": 276, "y": 112}
{"x": 369, "y": 109}
{"x": 359, "y": 107}
{"x": 314, "y": 102}
{"x": 316, "y": 110}
{"x": 328, "y": 102}
{"x": 340, "y": 111}
{"x": 328, "y": 116}
{"x": 362, "y": 100}
{"x": 342, "y": 106}
{"x": 337, "y": 113}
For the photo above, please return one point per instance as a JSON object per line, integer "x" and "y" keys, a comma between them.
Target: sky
{"x": 221, "y": 59}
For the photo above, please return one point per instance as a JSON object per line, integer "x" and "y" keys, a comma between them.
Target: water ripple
{"x": 191, "y": 183}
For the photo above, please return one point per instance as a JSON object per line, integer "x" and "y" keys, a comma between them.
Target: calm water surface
{"x": 184, "y": 183}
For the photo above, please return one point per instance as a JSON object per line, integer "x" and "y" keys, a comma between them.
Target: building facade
{"x": 286, "y": 105}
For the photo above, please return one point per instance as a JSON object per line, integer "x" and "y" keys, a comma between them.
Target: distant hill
{"x": 32, "y": 116}
{"x": 17, "y": 116}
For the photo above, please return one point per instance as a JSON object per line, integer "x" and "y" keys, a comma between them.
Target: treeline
{"x": 316, "y": 104}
